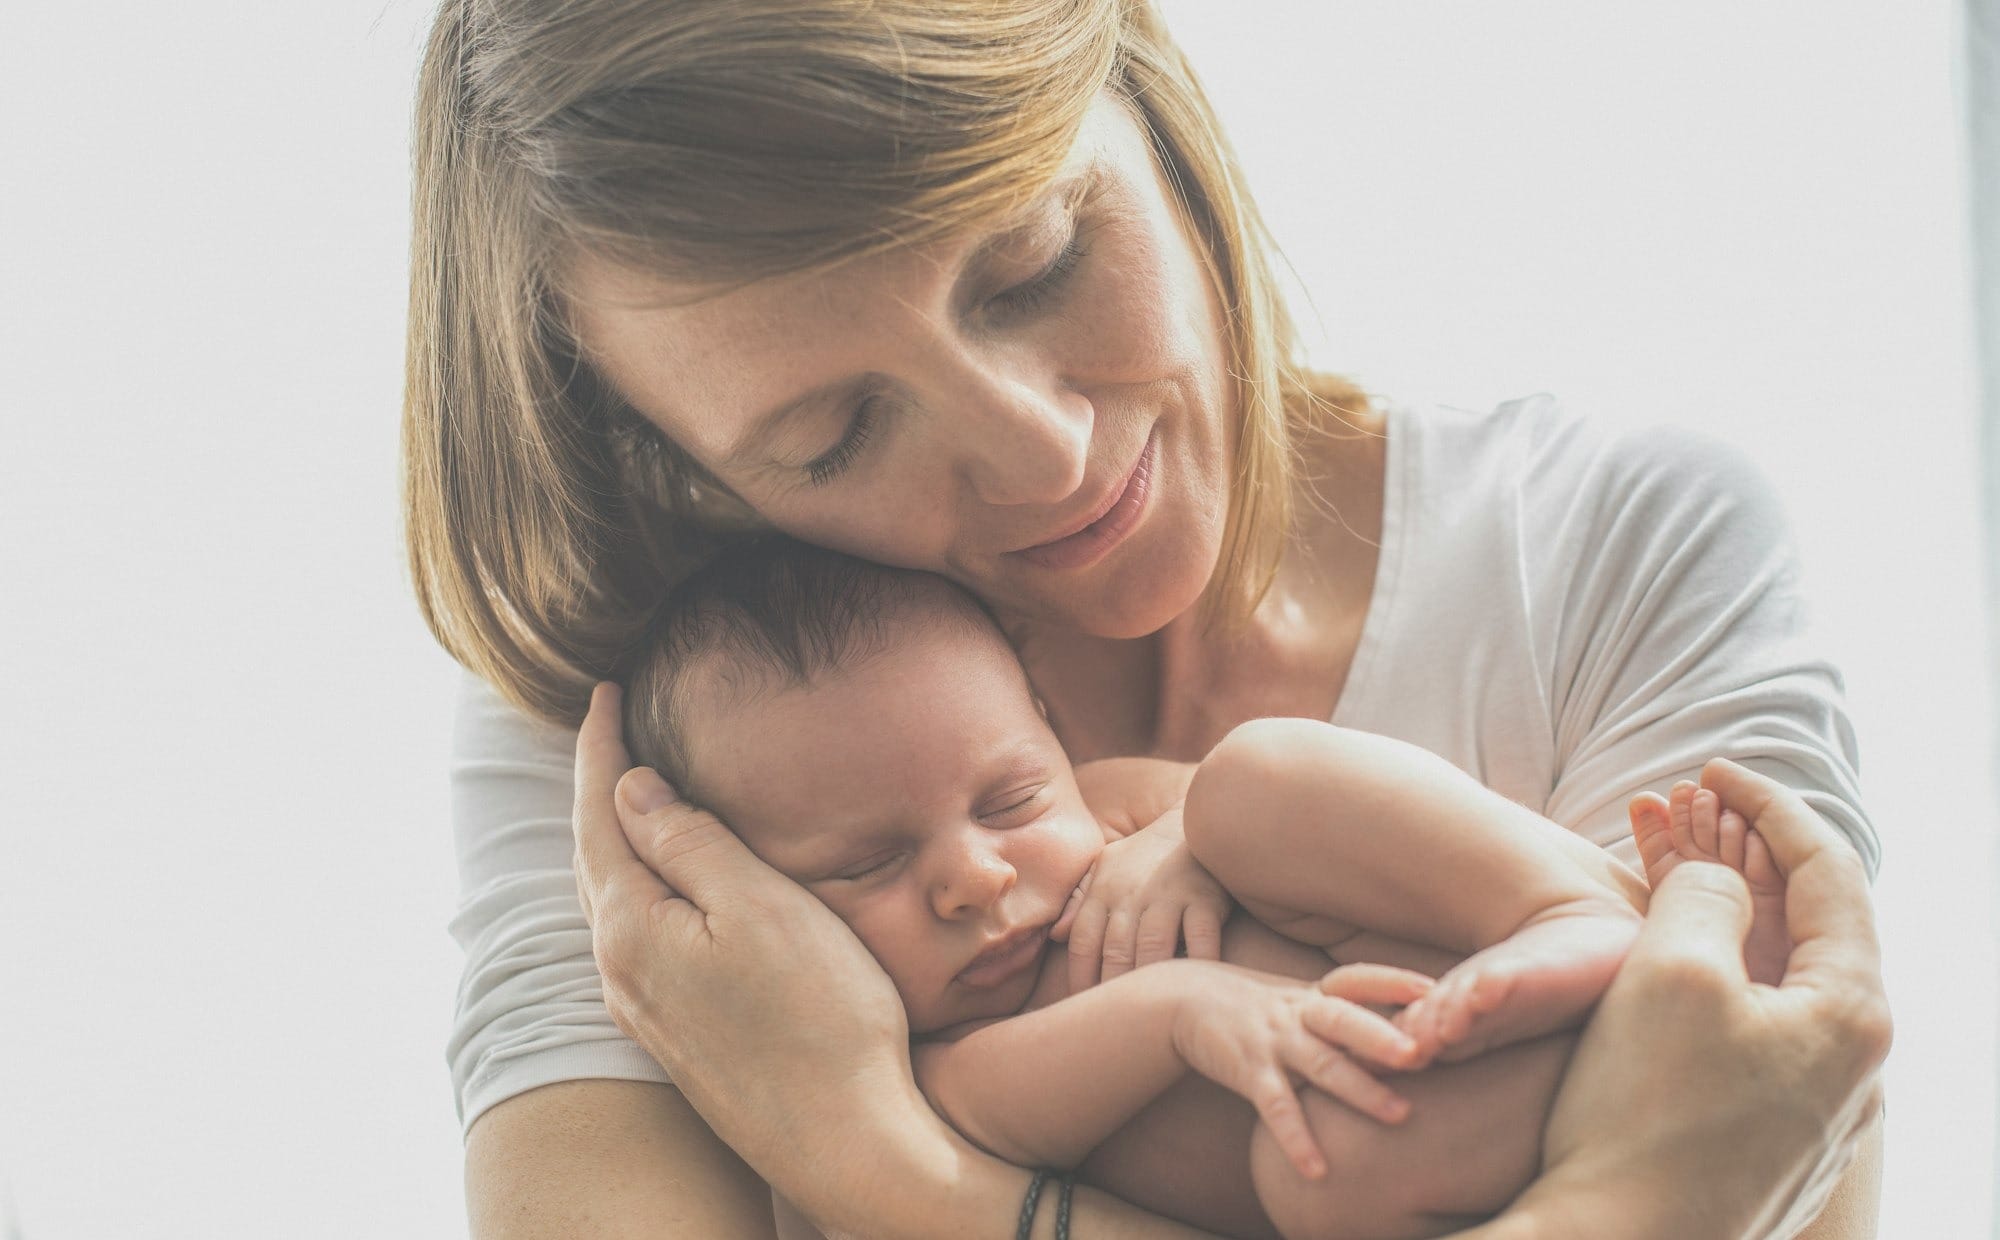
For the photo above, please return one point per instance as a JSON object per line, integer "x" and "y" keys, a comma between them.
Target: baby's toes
{"x": 1732, "y": 833}
{"x": 1760, "y": 872}
{"x": 1704, "y": 814}
{"x": 1653, "y": 834}
{"x": 1680, "y": 817}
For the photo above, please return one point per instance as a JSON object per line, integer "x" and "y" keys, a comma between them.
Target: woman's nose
{"x": 971, "y": 877}
{"x": 1025, "y": 444}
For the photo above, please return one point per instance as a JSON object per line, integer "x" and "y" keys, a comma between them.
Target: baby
{"x": 870, "y": 733}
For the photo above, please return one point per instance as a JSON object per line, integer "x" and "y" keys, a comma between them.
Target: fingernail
{"x": 643, "y": 791}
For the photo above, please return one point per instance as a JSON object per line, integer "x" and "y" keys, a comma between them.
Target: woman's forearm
{"x": 977, "y": 1195}
{"x": 624, "y": 1160}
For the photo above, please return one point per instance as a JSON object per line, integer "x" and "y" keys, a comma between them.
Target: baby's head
{"x": 870, "y": 733}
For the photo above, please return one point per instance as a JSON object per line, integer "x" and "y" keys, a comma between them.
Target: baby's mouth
{"x": 1005, "y": 958}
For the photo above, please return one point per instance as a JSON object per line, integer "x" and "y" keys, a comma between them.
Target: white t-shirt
{"x": 1570, "y": 614}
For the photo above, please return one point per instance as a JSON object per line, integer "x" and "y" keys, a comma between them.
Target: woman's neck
{"x": 1177, "y": 692}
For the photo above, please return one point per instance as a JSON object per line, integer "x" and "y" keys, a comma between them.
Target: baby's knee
{"x": 1243, "y": 783}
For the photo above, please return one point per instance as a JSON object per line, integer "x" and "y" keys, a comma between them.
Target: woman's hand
{"x": 1698, "y": 1103}
{"x": 770, "y": 1016}
{"x": 1139, "y": 900}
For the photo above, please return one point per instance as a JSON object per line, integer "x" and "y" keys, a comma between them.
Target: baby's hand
{"x": 1136, "y": 904}
{"x": 1254, "y": 1033}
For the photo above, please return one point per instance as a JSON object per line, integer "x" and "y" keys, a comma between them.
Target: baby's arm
{"x": 1284, "y": 806}
{"x": 1323, "y": 832}
{"x": 1047, "y": 1087}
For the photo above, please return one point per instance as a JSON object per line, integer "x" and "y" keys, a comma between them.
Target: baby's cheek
{"x": 897, "y": 947}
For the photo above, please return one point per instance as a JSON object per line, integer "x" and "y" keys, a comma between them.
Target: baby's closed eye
{"x": 1015, "y": 806}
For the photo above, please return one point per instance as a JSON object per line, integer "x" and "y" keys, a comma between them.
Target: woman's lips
{"x": 991, "y": 969}
{"x": 1094, "y": 541}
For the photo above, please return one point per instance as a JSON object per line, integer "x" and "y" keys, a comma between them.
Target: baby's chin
{"x": 948, "y": 1016}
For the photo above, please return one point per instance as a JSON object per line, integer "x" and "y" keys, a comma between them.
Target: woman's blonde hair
{"x": 721, "y": 141}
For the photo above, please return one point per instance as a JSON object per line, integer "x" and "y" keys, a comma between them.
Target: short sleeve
{"x": 530, "y": 1008}
{"x": 1681, "y": 634}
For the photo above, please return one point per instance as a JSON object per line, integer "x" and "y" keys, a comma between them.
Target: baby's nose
{"x": 980, "y": 877}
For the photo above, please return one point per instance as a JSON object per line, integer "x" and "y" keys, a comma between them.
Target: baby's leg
{"x": 1322, "y": 831}
{"x": 1692, "y": 824}
{"x": 1471, "y": 1144}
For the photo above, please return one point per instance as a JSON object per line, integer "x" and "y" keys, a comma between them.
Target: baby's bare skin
{"x": 1472, "y": 1138}
{"x": 1691, "y": 823}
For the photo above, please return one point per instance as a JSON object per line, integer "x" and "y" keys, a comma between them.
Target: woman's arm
{"x": 612, "y": 1159}
{"x": 1752, "y": 1097}
{"x": 784, "y": 1035}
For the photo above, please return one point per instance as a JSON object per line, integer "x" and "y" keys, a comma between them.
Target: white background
{"x": 225, "y": 873}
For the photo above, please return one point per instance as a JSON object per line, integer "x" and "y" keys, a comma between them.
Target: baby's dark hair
{"x": 777, "y": 614}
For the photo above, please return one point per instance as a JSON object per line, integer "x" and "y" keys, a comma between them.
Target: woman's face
{"x": 1040, "y": 412}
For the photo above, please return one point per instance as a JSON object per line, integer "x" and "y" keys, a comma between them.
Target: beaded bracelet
{"x": 1032, "y": 1202}
{"x": 1028, "y": 1204}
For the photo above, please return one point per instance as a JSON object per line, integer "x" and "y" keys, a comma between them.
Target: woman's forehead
{"x": 675, "y": 348}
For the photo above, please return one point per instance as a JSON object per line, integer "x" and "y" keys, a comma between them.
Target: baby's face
{"x": 923, "y": 798}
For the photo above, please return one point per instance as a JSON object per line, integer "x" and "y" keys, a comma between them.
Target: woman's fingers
{"x": 1831, "y": 920}
{"x": 1696, "y": 924}
{"x": 604, "y": 859}
{"x": 696, "y": 853}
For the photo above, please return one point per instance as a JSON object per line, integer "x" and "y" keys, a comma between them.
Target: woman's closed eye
{"x": 1020, "y": 301}
{"x": 1048, "y": 282}
{"x": 830, "y": 464}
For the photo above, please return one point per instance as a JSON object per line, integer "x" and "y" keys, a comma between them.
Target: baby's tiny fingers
{"x": 1121, "y": 934}
{"x": 1376, "y": 983}
{"x": 1278, "y": 1106}
{"x": 1086, "y": 945}
{"x": 1340, "y": 1023}
{"x": 1159, "y": 934}
{"x": 1202, "y": 926}
{"x": 1340, "y": 1078}
{"x": 1060, "y": 931}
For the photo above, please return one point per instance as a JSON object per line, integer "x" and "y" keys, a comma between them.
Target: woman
{"x": 972, "y": 288}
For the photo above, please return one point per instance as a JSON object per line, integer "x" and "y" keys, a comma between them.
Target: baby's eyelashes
{"x": 870, "y": 868}
{"x": 1013, "y": 807}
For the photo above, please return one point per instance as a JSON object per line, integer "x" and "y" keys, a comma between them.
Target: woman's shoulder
{"x": 488, "y": 727}
{"x": 1567, "y": 470}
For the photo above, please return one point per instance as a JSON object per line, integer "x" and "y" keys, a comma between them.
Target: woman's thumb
{"x": 689, "y": 848}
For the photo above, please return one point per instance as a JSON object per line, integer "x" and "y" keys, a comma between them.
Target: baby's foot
{"x": 1544, "y": 977}
{"x": 1692, "y": 824}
